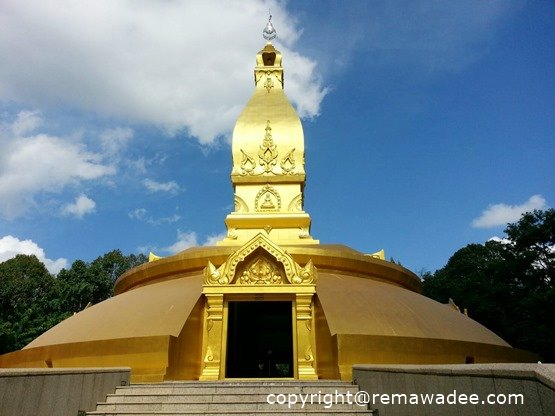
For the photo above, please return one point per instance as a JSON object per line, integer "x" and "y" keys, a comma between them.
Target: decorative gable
{"x": 260, "y": 262}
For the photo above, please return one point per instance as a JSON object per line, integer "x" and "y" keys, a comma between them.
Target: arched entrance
{"x": 259, "y": 340}
{"x": 258, "y": 318}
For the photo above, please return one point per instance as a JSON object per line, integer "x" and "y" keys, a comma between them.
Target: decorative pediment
{"x": 260, "y": 262}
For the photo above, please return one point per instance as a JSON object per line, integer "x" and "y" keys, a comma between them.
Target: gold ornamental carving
{"x": 268, "y": 153}
{"x": 209, "y": 357}
{"x": 232, "y": 233}
{"x": 240, "y": 205}
{"x": 212, "y": 338}
{"x": 296, "y": 205}
{"x": 305, "y": 337}
{"x": 267, "y": 199}
{"x": 261, "y": 272}
{"x": 288, "y": 162}
{"x": 269, "y": 75}
{"x": 306, "y": 274}
{"x": 303, "y": 232}
{"x": 268, "y": 84}
{"x": 213, "y": 275}
{"x": 268, "y": 158}
{"x": 248, "y": 165}
{"x": 270, "y": 265}
{"x": 308, "y": 356}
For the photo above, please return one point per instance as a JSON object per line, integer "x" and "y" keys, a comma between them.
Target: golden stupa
{"x": 269, "y": 300}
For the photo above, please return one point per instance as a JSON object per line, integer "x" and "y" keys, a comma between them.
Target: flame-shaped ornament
{"x": 269, "y": 32}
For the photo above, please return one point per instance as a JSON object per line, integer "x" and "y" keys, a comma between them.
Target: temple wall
{"x": 366, "y": 349}
{"x": 535, "y": 382}
{"x": 147, "y": 356}
{"x": 57, "y": 392}
{"x": 185, "y": 355}
{"x": 326, "y": 345}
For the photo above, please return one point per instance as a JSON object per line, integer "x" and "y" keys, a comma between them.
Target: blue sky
{"x": 428, "y": 125}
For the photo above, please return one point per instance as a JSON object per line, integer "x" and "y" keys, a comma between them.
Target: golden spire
{"x": 268, "y": 173}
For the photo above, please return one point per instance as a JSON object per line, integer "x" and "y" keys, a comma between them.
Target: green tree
{"x": 532, "y": 249}
{"x": 29, "y": 301}
{"x": 32, "y": 300}
{"x": 92, "y": 283}
{"x": 533, "y": 242}
{"x": 507, "y": 286}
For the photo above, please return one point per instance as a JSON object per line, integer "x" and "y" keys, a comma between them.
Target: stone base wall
{"x": 57, "y": 392}
{"x": 525, "y": 389}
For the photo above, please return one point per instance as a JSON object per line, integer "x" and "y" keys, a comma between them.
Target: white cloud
{"x": 502, "y": 214}
{"x": 153, "y": 186}
{"x": 189, "y": 239}
{"x": 26, "y": 122}
{"x": 211, "y": 240}
{"x": 11, "y": 246}
{"x": 502, "y": 240}
{"x": 300, "y": 84}
{"x": 83, "y": 205}
{"x": 184, "y": 241}
{"x": 175, "y": 64}
{"x": 164, "y": 220}
{"x": 115, "y": 140}
{"x": 140, "y": 214}
{"x": 138, "y": 165}
{"x": 42, "y": 163}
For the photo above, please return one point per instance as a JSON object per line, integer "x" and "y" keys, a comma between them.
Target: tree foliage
{"x": 92, "y": 283}
{"x": 508, "y": 286}
{"x": 32, "y": 300}
{"x": 28, "y": 301}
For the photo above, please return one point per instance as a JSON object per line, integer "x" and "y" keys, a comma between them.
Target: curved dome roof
{"x": 355, "y": 305}
{"x": 157, "y": 309}
{"x": 360, "y": 295}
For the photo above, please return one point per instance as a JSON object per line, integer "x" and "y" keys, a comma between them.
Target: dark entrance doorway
{"x": 259, "y": 340}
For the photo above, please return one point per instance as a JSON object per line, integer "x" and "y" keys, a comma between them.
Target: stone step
{"x": 223, "y": 389}
{"x": 247, "y": 383}
{"x": 213, "y": 406}
{"x": 241, "y": 383}
{"x": 239, "y": 413}
{"x": 229, "y": 398}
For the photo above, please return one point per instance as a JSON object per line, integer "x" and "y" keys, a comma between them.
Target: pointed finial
{"x": 269, "y": 32}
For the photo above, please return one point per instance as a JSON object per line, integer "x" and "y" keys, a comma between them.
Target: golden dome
{"x": 268, "y": 291}
{"x": 366, "y": 310}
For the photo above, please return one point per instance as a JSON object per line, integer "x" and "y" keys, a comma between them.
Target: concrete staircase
{"x": 232, "y": 398}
